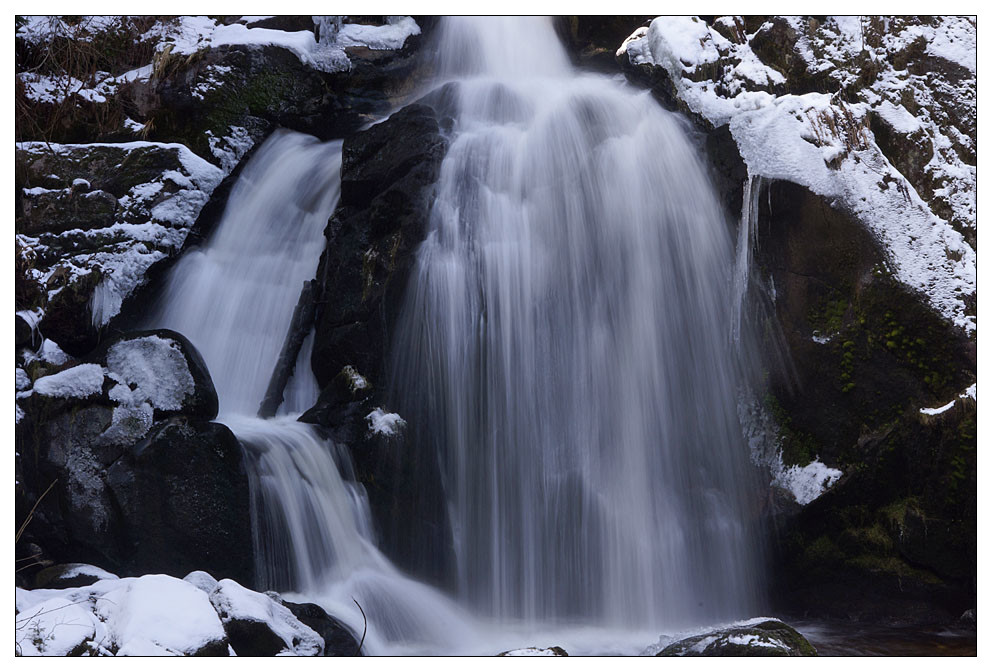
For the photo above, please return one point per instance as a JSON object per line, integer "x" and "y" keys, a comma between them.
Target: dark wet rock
{"x": 182, "y": 494}
{"x": 388, "y": 177}
{"x": 592, "y": 41}
{"x": 894, "y": 538}
{"x": 258, "y": 88}
{"x": 768, "y": 637}
{"x": 388, "y": 174}
{"x": 339, "y": 640}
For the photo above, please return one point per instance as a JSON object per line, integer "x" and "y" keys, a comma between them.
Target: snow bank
{"x": 820, "y": 142}
{"x": 150, "y": 615}
{"x": 84, "y": 380}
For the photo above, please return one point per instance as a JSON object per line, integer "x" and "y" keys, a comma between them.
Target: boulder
{"x": 257, "y": 625}
{"x": 72, "y": 575}
{"x": 162, "y": 368}
{"x": 183, "y": 499}
{"x": 757, "y": 637}
{"x": 339, "y": 640}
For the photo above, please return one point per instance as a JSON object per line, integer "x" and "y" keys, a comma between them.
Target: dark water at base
{"x": 837, "y": 638}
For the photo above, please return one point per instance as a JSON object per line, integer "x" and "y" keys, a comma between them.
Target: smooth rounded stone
{"x": 71, "y": 575}
{"x": 339, "y": 640}
{"x": 183, "y": 499}
{"x": 757, "y": 637}
{"x": 535, "y": 651}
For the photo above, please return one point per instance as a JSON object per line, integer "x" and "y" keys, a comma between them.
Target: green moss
{"x": 798, "y": 448}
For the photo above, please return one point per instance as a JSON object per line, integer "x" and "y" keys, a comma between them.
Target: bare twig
{"x": 27, "y": 520}
{"x": 365, "y": 628}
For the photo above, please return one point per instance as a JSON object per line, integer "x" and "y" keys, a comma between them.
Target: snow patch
{"x": 154, "y": 370}
{"x": 386, "y": 424}
{"x": 84, "y": 380}
{"x": 806, "y": 483}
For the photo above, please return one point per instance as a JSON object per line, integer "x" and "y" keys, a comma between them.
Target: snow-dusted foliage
{"x": 826, "y": 142}
{"x": 190, "y": 34}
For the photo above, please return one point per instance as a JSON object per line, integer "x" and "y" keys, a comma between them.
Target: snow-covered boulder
{"x": 257, "y": 625}
{"x": 162, "y": 370}
{"x": 754, "y": 637}
{"x": 159, "y": 615}
{"x": 152, "y": 615}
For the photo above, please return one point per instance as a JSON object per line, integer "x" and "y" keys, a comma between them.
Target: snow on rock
{"x": 356, "y": 381}
{"x": 533, "y": 651}
{"x": 970, "y": 393}
{"x": 806, "y": 483}
{"x": 236, "y": 603}
{"x": 148, "y": 615}
{"x": 230, "y": 148}
{"x": 392, "y": 35}
{"x": 190, "y": 34}
{"x": 22, "y": 381}
{"x": 385, "y": 424}
{"x": 822, "y": 142}
{"x": 84, "y": 380}
{"x": 150, "y": 221}
{"x": 54, "y": 627}
{"x": 201, "y": 580}
{"x": 151, "y": 369}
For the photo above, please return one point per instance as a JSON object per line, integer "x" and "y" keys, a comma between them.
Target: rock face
{"x": 387, "y": 182}
{"x": 93, "y": 220}
{"x": 760, "y": 637}
{"x": 859, "y": 338}
{"x": 143, "y": 480}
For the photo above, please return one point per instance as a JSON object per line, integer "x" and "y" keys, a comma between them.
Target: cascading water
{"x": 234, "y": 299}
{"x": 567, "y": 339}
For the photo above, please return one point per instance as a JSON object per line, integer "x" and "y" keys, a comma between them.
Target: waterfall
{"x": 566, "y": 343}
